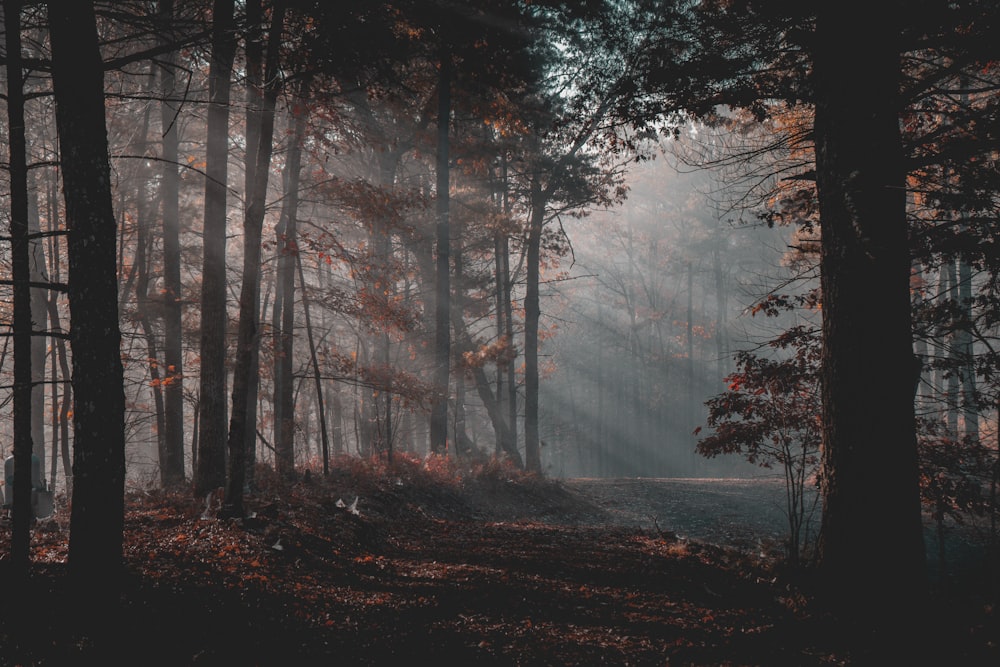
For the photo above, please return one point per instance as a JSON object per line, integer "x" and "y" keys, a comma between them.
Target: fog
{"x": 654, "y": 299}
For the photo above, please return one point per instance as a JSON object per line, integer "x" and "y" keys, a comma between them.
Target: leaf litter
{"x": 489, "y": 567}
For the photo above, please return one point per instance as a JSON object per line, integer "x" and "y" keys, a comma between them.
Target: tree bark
{"x": 39, "y": 316}
{"x": 254, "y": 59}
{"x": 97, "y": 516}
{"x": 66, "y": 405}
{"x": 21, "y": 536}
{"x": 253, "y": 222}
{"x": 210, "y": 473}
{"x": 172, "y": 457}
{"x": 871, "y": 545}
{"x": 313, "y": 355}
{"x": 532, "y": 315}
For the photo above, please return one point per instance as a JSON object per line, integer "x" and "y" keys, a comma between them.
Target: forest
{"x": 459, "y": 263}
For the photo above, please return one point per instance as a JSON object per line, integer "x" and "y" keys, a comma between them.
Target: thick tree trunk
{"x": 254, "y": 59}
{"x": 97, "y": 517}
{"x": 21, "y": 537}
{"x": 871, "y": 546}
{"x": 172, "y": 457}
{"x": 210, "y": 473}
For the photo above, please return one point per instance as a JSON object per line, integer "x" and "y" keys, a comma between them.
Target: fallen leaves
{"x": 476, "y": 575}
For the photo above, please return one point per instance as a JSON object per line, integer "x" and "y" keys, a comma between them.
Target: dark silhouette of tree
{"x": 22, "y": 510}
{"x": 870, "y": 130}
{"x": 210, "y": 473}
{"x": 870, "y": 453}
{"x": 247, "y": 336}
{"x": 97, "y": 516}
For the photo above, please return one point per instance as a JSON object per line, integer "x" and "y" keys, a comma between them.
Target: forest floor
{"x": 379, "y": 566}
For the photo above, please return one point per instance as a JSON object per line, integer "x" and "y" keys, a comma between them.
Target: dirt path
{"x": 736, "y": 512}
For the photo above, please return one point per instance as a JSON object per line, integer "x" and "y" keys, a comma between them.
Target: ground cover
{"x": 375, "y": 565}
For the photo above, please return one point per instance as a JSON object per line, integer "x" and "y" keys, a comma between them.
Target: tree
{"x": 210, "y": 473}
{"x": 564, "y": 172}
{"x": 860, "y": 100}
{"x": 247, "y": 337}
{"x": 286, "y": 233}
{"x": 97, "y": 516}
{"x": 770, "y": 415}
{"x": 172, "y": 456}
{"x": 20, "y": 538}
{"x": 869, "y": 372}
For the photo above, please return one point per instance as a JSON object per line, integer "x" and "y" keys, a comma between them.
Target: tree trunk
{"x": 141, "y": 264}
{"x": 97, "y": 517}
{"x": 721, "y": 314}
{"x": 22, "y": 511}
{"x": 315, "y": 363}
{"x": 504, "y": 432}
{"x": 287, "y": 232}
{"x": 210, "y": 473}
{"x": 505, "y": 327}
{"x": 532, "y": 314}
{"x": 442, "y": 290}
{"x": 254, "y": 59}
{"x": 39, "y": 311}
{"x": 253, "y": 222}
{"x": 141, "y": 267}
{"x": 499, "y": 241}
{"x": 871, "y": 545}
{"x": 66, "y": 405}
{"x": 952, "y": 397}
{"x": 172, "y": 456}
{"x": 963, "y": 341}
{"x": 60, "y": 420}
{"x": 281, "y": 381}
{"x": 508, "y": 309}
